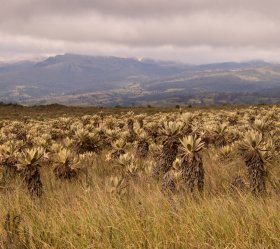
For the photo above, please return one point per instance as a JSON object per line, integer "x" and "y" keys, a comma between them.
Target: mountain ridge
{"x": 130, "y": 81}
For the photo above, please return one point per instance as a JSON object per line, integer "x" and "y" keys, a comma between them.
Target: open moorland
{"x": 73, "y": 177}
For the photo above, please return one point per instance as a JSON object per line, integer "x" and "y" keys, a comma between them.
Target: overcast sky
{"x": 194, "y": 31}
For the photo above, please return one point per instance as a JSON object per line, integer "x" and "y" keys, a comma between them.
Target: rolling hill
{"x": 108, "y": 81}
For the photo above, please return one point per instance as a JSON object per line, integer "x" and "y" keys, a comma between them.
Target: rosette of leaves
{"x": 86, "y": 119}
{"x": 142, "y": 148}
{"x": 262, "y": 125}
{"x": 140, "y": 119}
{"x": 9, "y": 157}
{"x": 225, "y": 153}
{"x": 86, "y": 141}
{"x": 28, "y": 164}
{"x": 118, "y": 149}
{"x": 65, "y": 165}
{"x": 251, "y": 149}
{"x": 187, "y": 118}
{"x": 220, "y": 134}
{"x": 170, "y": 133}
{"x": 192, "y": 165}
{"x": 232, "y": 119}
{"x": 128, "y": 163}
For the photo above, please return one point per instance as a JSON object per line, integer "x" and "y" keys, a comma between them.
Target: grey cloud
{"x": 160, "y": 28}
{"x": 195, "y": 29}
{"x": 135, "y": 8}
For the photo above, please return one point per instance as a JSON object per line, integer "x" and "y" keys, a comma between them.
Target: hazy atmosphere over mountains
{"x": 102, "y": 45}
{"x": 109, "y": 81}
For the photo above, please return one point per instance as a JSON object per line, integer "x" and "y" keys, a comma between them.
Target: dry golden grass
{"x": 82, "y": 214}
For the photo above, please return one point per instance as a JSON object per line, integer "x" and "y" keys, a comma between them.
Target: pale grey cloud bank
{"x": 195, "y": 31}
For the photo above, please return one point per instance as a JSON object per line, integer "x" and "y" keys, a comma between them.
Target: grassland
{"x": 89, "y": 210}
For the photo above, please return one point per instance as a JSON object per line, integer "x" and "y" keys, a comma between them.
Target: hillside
{"x": 88, "y": 80}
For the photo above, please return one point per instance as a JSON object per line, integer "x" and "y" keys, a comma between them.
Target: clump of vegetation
{"x": 251, "y": 148}
{"x": 28, "y": 164}
{"x": 192, "y": 166}
{"x": 65, "y": 165}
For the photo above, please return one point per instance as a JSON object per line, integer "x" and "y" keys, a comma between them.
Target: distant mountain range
{"x": 111, "y": 81}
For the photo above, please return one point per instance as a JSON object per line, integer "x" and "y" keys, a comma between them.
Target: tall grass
{"x": 83, "y": 214}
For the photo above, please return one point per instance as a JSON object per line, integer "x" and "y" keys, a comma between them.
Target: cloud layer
{"x": 195, "y": 31}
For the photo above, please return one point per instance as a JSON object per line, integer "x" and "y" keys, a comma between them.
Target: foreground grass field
{"x": 90, "y": 181}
